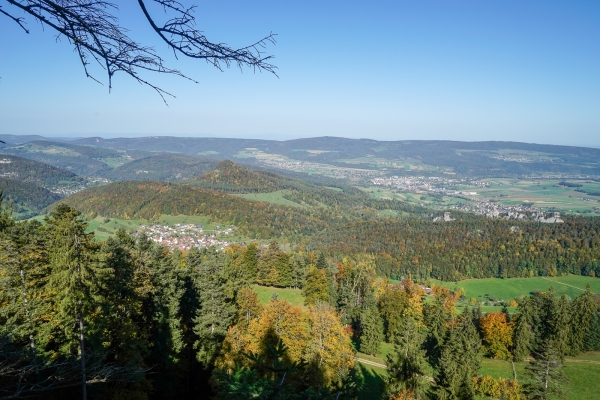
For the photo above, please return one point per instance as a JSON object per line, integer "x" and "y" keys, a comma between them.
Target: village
{"x": 185, "y": 236}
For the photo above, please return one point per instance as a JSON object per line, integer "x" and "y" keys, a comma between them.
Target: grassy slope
{"x": 271, "y": 197}
{"x": 506, "y": 289}
{"x": 582, "y": 371}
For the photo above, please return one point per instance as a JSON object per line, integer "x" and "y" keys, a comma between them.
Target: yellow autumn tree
{"x": 329, "y": 351}
{"x": 497, "y": 334}
{"x": 279, "y": 320}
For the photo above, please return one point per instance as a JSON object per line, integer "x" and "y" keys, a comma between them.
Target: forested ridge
{"x": 162, "y": 167}
{"x": 36, "y": 172}
{"x": 28, "y": 195}
{"x": 473, "y": 248}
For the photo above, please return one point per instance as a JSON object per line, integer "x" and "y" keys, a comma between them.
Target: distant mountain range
{"x": 473, "y": 159}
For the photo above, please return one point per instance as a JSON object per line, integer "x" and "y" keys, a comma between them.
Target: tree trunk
{"x": 82, "y": 349}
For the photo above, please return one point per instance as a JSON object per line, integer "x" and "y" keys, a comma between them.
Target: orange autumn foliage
{"x": 497, "y": 334}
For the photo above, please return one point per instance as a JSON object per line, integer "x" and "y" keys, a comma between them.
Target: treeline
{"x": 472, "y": 248}
{"x": 127, "y": 319}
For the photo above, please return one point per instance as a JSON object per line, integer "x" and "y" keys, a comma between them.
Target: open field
{"x": 543, "y": 193}
{"x": 294, "y": 296}
{"x": 104, "y": 228}
{"x": 507, "y": 289}
{"x": 582, "y": 372}
{"x": 271, "y": 197}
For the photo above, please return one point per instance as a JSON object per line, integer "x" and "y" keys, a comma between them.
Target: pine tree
{"x": 75, "y": 282}
{"x": 298, "y": 264}
{"x": 583, "y": 310}
{"x": 592, "y": 339}
{"x": 371, "y": 326}
{"x": 544, "y": 377}
{"x": 407, "y": 365}
{"x": 23, "y": 275}
{"x": 459, "y": 362}
{"x": 523, "y": 331}
{"x": 250, "y": 261}
{"x": 216, "y": 309}
{"x": 321, "y": 262}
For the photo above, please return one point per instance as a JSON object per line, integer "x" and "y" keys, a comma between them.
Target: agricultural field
{"x": 104, "y": 228}
{"x": 543, "y": 193}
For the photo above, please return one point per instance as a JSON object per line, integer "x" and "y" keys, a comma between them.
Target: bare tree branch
{"x": 93, "y": 29}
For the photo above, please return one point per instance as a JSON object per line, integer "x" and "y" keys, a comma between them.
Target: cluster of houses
{"x": 184, "y": 236}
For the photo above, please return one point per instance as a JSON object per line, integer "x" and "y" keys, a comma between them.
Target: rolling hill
{"x": 431, "y": 157}
{"x": 35, "y": 172}
{"x": 162, "y": 167}
{"x": 27, "y": 199}
{"x": 150, "y": 199}
{"x": 230, "y": 177}
{"x": 81, "y": 160}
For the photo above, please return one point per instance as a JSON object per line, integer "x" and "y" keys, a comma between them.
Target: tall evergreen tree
{"x": 523, "y": 330}
{"x": 216, "y": 309}
{"x": 583, "y": 310}
{"x": 75, "y": 283}
{"x": 250, "y": 260}
{"x": 371, "y": 326}
{"x": 407, "y": 365}
{"x": 544, "y": 377}
{"x": 459, "y": 362}
{"x": 592, "y": 339}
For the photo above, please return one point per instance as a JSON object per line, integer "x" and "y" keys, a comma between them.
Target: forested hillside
{"x": 26, "y": 196}
{"x": 230, "y": 177}
{"x": 162, "y": 167}
{"x": 472, "y": 248}
{"x": 31, "y": 171}
{"x": 148, "y": 200}
{"x": 81, "y": 160}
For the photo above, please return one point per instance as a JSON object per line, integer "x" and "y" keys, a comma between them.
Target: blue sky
{"x": 388, "y": 70}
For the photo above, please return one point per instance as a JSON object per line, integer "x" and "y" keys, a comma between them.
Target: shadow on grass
{"x": 372, "y": 382}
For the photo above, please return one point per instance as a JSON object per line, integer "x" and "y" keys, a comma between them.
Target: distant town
{"x": 185, "y": 236}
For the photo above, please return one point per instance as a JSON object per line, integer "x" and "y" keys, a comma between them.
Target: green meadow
{"x": 508, "y": 289}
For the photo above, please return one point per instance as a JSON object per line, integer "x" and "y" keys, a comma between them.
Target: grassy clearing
{"x": 507, "y": 289}
{"x": 104, "y": 228}
{"x": 294, "y": 296}
{"x": 271, "y": 197}
{"x": 582, "y": 375}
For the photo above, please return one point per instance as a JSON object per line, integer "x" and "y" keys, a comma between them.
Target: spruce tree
{"x": 250, "y": 261}
{"x": 407, "y": 365}
{"x": 459, "y": 362}
{"x": 592, "y": 339}
{"x": 216, "y": 308}
{"x": 75, "y": 283}
{"x": 371, "y": 326}
{"x": 583, "y": 310}
{"x": 523, "y": 331}
{"x": 544, "y": 377}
